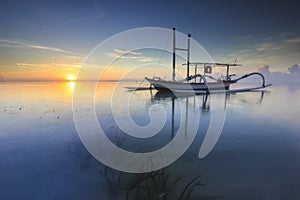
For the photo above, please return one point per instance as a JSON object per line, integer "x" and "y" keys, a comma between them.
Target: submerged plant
{"x": 156, "y": 185}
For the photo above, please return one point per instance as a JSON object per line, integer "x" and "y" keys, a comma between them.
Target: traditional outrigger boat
{"x": 201, "y": 83}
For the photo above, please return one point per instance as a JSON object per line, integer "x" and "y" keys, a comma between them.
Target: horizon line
{"x": 68, "y": 81}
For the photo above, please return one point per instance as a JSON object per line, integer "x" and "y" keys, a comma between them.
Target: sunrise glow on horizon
{"x": 71, "y": 77}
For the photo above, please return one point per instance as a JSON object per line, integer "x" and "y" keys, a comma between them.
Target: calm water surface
{"x": 257, "y": 154}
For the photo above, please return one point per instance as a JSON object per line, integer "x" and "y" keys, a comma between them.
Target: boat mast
{"x": 181, "y": 49}
{"x": 174, "y": 48}
{"x": 188, "y": 58}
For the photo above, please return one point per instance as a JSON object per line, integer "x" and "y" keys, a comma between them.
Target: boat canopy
{"x": 212, "y": 64}
{"x": 207, "y": 67}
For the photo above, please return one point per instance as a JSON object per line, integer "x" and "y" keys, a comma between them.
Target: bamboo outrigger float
{"x": 190, "y": 83}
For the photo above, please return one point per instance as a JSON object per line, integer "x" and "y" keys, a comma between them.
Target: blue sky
{"x": 257, "y": 32}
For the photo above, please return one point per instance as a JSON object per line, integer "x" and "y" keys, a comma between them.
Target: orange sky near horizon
{"x": 47, "y": 74}
{"x": 54, "y": 73}
{"x": 57, "y": 65}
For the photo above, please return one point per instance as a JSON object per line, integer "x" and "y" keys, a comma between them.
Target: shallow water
{"x": 256, "y": 155}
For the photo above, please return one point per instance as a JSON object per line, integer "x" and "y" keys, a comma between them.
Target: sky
{"x": 49, "y": 40}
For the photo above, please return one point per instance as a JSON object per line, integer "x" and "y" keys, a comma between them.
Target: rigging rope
{"x": 168, "y": 40}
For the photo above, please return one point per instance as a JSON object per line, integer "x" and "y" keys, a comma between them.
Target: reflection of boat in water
{"x": 202, "y": 98}
{"x": 170, "y": 95}
{"x": 208, "y": 105}
{"x": 200, "y": 82}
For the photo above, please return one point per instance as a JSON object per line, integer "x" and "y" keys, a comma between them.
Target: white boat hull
{"x": 173, "y": 85}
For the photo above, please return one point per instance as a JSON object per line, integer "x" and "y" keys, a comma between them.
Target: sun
{"x": 71, "y": 77}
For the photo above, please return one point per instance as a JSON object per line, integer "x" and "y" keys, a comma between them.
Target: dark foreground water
{"x": 256, "y": 154}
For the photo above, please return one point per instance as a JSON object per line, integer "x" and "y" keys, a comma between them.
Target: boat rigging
{"x": 203, "y": 85}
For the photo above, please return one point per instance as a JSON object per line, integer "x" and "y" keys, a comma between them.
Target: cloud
{"x": 77, "y": 65}
{"x": 50, "y": 48}
{"x": 67, "y": 65}
{"x": 145, "y": 59}
{"x": 19, "y": 44}
{"x": 265, "y": 69}
{"x": 127, "y": 52}
{"x": 294, "y": 69}
{"x": 115, "y": 55}
{"x": 32, "y": 65}
{"x": 294, "y": 40}
{"x": 2, "y": 77}
{"x": 276, "y": 50}
{"x": 291, "y": 78}
{"x": 128, "y": 55}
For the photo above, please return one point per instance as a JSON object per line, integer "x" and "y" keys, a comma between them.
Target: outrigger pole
{"x": 181, "y": 49}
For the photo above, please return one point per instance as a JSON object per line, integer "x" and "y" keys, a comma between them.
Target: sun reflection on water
{"x": 72, "y": 86}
